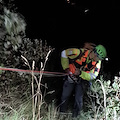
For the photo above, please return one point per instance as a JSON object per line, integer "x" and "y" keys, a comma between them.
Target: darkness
{"x": 65, "y": 24}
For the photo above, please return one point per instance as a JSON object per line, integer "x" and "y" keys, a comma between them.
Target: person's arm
{"x": 92, "y": 74}
{"x": 68, "y": 54}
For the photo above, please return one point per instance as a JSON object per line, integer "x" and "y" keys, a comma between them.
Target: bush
{"x": 103, "y": 101}
{"x": 16, "y": 87}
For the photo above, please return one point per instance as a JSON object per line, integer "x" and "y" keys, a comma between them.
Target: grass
{"x": 102, "y": 101}
{"x": 102, "y": 108}
{"x": 37, "y": 96}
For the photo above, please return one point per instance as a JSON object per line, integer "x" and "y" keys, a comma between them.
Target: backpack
{"x": 89, "y": 46}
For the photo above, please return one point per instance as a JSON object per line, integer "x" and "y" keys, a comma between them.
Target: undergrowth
{"x": 95, "y": 106}
{"x": 21, "y": 97}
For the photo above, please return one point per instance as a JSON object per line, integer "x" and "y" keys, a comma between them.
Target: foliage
{"x": 16, "y": 87}
{"x": 99, "y": 108}
{"x": 102, "y": 100}
{"x": 13, "y": 42}
{"x": 12, "y": 29}
{"x": 94, "y": 105}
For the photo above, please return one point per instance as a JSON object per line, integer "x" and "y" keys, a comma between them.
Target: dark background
{"x": 65, "y": 24}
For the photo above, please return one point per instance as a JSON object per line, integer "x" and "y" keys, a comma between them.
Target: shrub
{"x": 103, "y": 101}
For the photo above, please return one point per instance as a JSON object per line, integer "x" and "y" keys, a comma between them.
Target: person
{"x": 82, "y": 66}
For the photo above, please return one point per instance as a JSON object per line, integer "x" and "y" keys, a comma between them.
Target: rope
{"x": 45, "y": 73}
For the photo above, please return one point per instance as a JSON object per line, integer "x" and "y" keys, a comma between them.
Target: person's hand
{"x": 77, "y": 72}
{"x": 68, "y": 71}
{"x": 71, "y": 75}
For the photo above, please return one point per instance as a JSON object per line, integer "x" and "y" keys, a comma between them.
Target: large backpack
{"x": 89, "y": 46}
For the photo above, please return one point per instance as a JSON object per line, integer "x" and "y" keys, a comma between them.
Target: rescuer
{"x": 82, "y": 65}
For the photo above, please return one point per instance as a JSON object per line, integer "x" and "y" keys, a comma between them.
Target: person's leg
{"x": 80, "y": 89}
{"x": 67, "y": 90}
{"x": 78, "y": 99}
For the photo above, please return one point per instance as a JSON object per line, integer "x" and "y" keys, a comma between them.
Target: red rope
{"x": 30, "y": 71}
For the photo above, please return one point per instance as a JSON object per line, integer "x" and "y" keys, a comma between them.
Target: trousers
{"x": 80, "y": 88}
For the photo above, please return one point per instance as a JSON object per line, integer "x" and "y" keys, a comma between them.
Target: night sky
{"x": 65, "y": 24}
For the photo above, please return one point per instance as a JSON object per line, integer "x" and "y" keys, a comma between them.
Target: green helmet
{"x": 101, "y": 51}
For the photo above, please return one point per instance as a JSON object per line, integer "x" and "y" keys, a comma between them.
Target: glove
{"x": 77, "y": 72}
{"x": 73, "y": 77}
